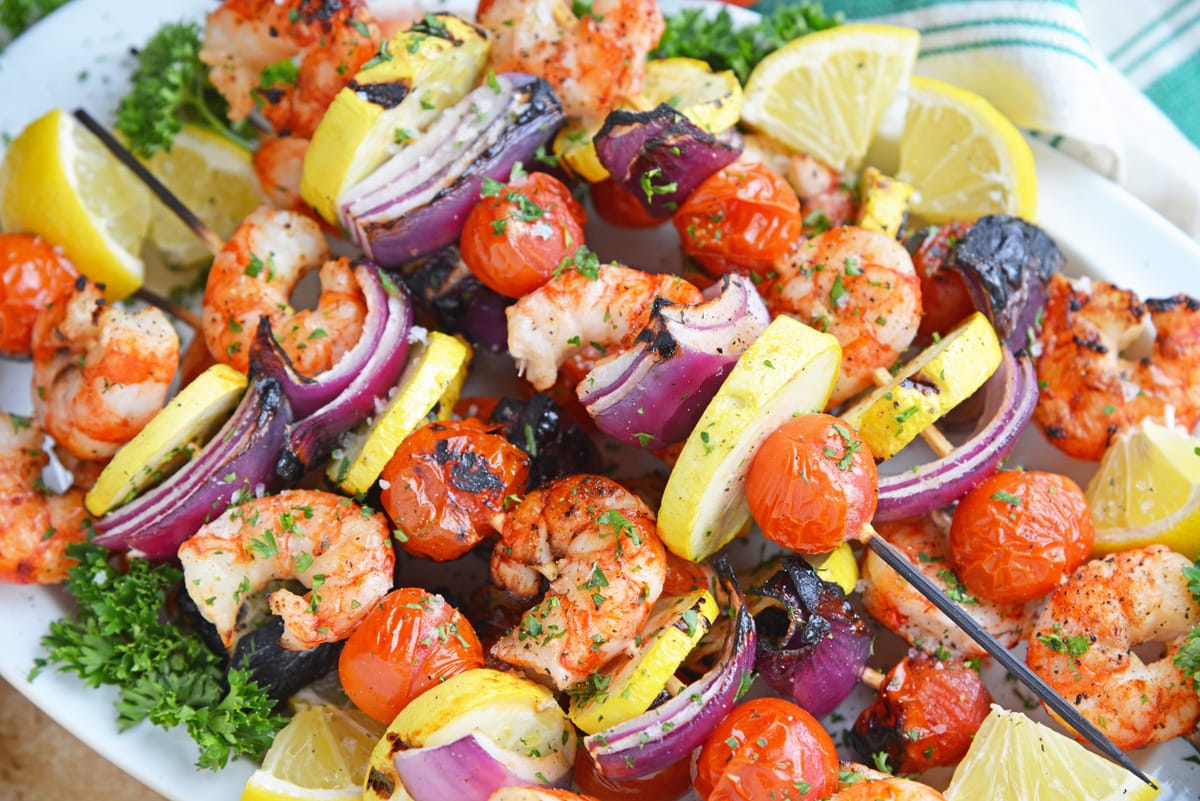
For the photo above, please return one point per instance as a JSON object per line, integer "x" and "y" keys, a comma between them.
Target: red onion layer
{"x": 469, "y": 769}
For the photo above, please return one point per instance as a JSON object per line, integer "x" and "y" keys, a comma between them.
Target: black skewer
{"x": 1048, "y": 695}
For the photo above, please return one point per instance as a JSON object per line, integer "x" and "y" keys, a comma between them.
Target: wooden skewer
{"x": 935, "y": 438}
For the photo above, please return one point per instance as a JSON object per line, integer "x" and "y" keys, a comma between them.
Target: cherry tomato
{"x": 518, "y": 234}
{"x": 445, "y": 483}
{"x": 411, "y": 641}
{"x": 1017, "y": 534}
{"x": 924, "y": 716}
{"x": 33, "y": 274}
{"x": 667, "y": 784}
{"x": 945, "y": 299}
{"x": 813, "y": 484}
{"x": 740, "y": 219}
{"x": 767, "y": 748}
{"x": 618, "y": 206}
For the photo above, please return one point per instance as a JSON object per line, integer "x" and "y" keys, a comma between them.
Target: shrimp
{"x": 593, "y": 62}
{"x": 38, "y": 525}
{"x": 278, "y": 165}
{"x": 253, "y": 276}
{"x": 1083, "y": 645}
{"x": 900, "y": 608}
{"x": 858, "y": 285}
{"x": 571, "y": 310}
{"x": 99, "y": 372}
{"x": 1089, "y": 392}
{"x": 341, "y": 551}
{"x": 824, "y": 196}
{"x": 244, "y": 37}
{"x": 859, "y": 783}
{"x": 596, "y": 543}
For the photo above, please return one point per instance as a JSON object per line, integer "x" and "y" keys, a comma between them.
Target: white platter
{"x": 79, "y": 56}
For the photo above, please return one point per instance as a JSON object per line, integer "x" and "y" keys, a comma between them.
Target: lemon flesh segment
{"x": 825, "y": 93}
{"x": 58, "y": 182}
{"x": 432, "y": 378}
{"x": 942, "y": 376}
{"x": 964, "y": 157}
{"x": 170, "y": 438}
{"x": 1014, "y": 756}
{"x": 790, "y": 369}
{"x": 1147, "y": 491}
{"x": 390, "y": 103}
{"x": 674, "y": 627}
{"x": 323, "y": 753}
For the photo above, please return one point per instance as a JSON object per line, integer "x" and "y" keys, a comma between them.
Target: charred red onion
{"x": 661, "y": 156}
{"x": 459, "y": 303}
{"x": 814, "y": 647}
{"x": 667, "y": 733}
{"x": 471, "y": 768}
{"x": 416, "y": 202}
{"x": 1011, "y": 397}
{"x": 654, "y": 393}
{"x": 238, "y": 461}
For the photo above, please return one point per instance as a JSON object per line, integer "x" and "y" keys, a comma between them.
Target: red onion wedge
{"x": 459, "y": 303}
{"x": 669, "y": 732}
{"x": 654, "y": 393}
{"x": 417, "y": 202}
{"x": 471, "y": 768}
{"x": 238, "y": 462}
{"x": 1011, "y": 397}
{"x": 660, "y": 156}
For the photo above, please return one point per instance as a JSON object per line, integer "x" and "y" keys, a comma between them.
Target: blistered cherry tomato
{"x": 1018, "y": 533}
{"x": 445, "y": 483}
{"x": 813, "y": 484}
{"x": 767, "y": 748}
{"x": 740, "y": 219}
{"x": 33, "y": 274}
{"x": 925, "y": 715}
{"x": 945, "y": 300}
{"x": 617, "y": 205}
{"x": 519, "y": 233}
{"x": 667, "y": 784}
{"x": 411, "y": 641}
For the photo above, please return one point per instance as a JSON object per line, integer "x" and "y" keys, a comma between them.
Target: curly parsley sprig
{"x": 1187, "y": 658}
{"x": 122, "y": 636}
{"x": 17, "y": 15}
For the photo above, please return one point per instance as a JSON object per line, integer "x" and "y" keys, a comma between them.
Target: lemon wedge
{"x": 58, "y": 181}
{"x": 790, "y": 369}
{"x": 964, "y": 157}
{"x": 1013, "y": 756}
{"x": 825, "y": 93}
{"x": 942, "y": 376}
{"x": 1147, "y": 491}
{"x": 432, "y": 378}
{"x": 170, "y": 438}
{"x": 674, "y": 627}
{"x": 428, "y": 68}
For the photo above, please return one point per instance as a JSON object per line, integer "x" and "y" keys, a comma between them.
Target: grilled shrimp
{"x": 572, "y": 310}
{"x": 1089, "y": 391}
{"x": 339, "y": 550}
{"x": 593, "y": 61}
{"x": 244, "y": 37}
{"x": 898, "y": 606}
{"x": 596, "y": 543}
{"x": 860, "y": 783}
{"x": 38, "y": 525}
{"x": 99, "y": 372}
{"x": 279, "y": 165}
{"x": 1084, "y": 639}
{"x": 824, "y": 196}
{"x": 858, "y": 285}
{"x": 253, "y": 276}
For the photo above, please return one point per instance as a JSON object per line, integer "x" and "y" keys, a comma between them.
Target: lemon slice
{"x": 825, "y": 93}
{"x": 321, "y": 755}
{"x": 1147, "y": 491}
{"x": 964, "y": 157}
{"x": 674, "y": 627}
{"x": 1013, "y": 756}
{"x": 432, "y": 377}
{"x": 58, "y": 182}
{"x": 944, "y": 375}
{"x": 790, "y": 369}
{"x": 214, "y": 178}
{"x": 170, "y": 438}
{"x": 427, "y": 69}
